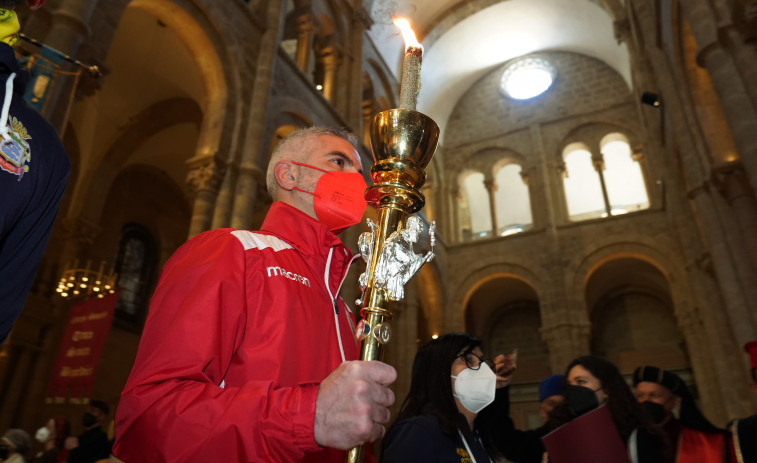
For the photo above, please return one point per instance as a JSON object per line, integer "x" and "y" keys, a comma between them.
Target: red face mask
{"x": 338, "y": 199}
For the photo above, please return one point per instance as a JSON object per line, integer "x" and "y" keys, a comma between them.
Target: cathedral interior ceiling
{"x": 459, "y": 54}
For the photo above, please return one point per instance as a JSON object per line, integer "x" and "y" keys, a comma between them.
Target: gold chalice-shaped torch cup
{"x": 403, "y": 143}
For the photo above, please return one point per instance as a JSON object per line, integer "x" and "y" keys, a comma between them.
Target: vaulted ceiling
{"x": 465, "y": 39}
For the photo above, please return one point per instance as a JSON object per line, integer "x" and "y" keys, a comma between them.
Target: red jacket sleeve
{"x": 173, "y": 407}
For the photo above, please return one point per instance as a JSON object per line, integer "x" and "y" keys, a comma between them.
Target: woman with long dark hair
{"x": 608, "y": 387}
{"x": 445, "y": 416}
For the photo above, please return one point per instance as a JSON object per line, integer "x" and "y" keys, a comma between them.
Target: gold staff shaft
{"x": 403, "y": 142}
{"x": 376, "y": 306}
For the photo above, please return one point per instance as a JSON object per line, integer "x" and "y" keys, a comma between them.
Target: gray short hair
{"x": 294, "y": 147}
{"x": 19, "y": 439}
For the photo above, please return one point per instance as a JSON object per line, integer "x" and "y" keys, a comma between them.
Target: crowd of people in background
{"x": 458, "y": 410}
{"x": 458, "y": 407}
{"x": 55, "y": 444}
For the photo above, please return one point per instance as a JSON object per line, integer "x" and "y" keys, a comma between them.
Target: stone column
{"x": 545, "y": 193}
{"x": 429, "y": 208}
{"x": 525, "y": 176}
{"x": 700, "y": 353}
{"x": 352, "y": 77}
{"x": 740, "y": 316}
{"x": 454, "y": 222}
{"x": 305, "y": 30}
{"x": 69, "y": 28}
{"x": 11, "y": 399}
{"x": 732, "y": 183}
{"x": 744, "y": 57}
{"x": 491, "y": 188}
{"x": 330, "y": 58}
{"x": 204, "y": 178}
{"x": 565, "y": 342}
{"x": 717, "y": 334}
{"x": 249, "y": 173}
{"x": 599, "y": 165}
{"x": 70, "y": 24}
{"x": 250, "y": 182}
{"x": 368, "y": 110}
{"x": 401, "y": 350}
{"x": 738, "y": 109}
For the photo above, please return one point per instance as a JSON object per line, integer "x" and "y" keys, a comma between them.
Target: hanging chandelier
{"x": 85, "y": 283}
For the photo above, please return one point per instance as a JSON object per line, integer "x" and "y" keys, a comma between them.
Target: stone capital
{"x": 562, "y": 169}
{"x": 525, "y": 175}
{"x": 330, "y": 56}
{"x": 705, "y": 51}
{"x": 205, "y": 173}
{"x": 621, "y": 30}
{"x": 730, "y": 180}
{"x": 598, "y": 161}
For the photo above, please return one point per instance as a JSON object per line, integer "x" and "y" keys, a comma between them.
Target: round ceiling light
{"x": 527, "y": 78}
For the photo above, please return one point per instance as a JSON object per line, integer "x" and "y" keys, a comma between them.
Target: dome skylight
{"x": 527, "y": 78}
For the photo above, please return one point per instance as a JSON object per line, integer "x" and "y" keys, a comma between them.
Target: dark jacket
{"x": 420, "y": 439}
{"x": 34, "y": 169}
{"x": 93, "y": 445}
{"x": 514, "y": 444}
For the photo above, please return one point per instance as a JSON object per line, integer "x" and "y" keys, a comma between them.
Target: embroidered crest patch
{"x": 14, "y": 150}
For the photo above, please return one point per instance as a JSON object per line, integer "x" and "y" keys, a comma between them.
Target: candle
{"x": 410, "y": 84}
{"x": 101, "y": 272}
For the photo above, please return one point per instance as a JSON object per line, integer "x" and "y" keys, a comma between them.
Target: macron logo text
{"x": 278, "y": 271}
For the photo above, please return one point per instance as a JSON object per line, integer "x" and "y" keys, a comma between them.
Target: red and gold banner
{"x": 79, "y": 353}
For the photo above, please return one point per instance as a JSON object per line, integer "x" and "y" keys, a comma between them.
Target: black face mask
{"x": 10, "y": 3}
{"x": 580, "y": 399}
{"x": 4, "y": 451}
{"x": 655, "y": 411}
{"x": 88, "y": 419}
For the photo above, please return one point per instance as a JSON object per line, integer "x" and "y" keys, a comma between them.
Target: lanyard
{"x": 467, "y": 449}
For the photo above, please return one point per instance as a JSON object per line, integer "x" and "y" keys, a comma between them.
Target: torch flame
{"x": 407, "y": 33}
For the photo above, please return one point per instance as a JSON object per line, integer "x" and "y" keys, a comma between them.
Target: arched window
{"x": 617, "y": 189}
{"x": 625, "y": 182}
{"x": 512, "y": 201}
{"x": 583, "y": 190}
{"x": 477, "y": 199}
{"x": 135, "y": 264}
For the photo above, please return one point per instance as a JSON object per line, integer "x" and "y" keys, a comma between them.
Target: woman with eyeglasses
{"x": 446, "y": 416}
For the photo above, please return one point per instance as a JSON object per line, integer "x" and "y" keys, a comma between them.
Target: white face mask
{"x": 43, "y": 434}
{"x": 475, "y": 388}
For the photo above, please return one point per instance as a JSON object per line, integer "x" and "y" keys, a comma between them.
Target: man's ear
{"x": 286, "y": 175}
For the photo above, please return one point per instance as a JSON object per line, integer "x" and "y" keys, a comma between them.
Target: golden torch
{"x": 403, "y": 142}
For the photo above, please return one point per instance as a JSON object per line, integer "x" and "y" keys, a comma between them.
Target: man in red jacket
{"x": 248, "y": 353}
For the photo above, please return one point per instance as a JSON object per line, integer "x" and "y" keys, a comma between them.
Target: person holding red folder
{"x": 613, "y": 423}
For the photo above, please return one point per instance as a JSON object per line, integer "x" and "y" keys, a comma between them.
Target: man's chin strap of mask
{"x": 9, "y": 26}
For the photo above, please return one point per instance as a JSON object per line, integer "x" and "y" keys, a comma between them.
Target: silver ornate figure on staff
{"x": 398, "y": 261}
{"x": 403, "y": 143}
